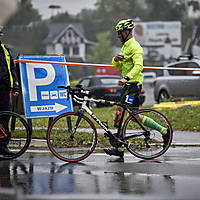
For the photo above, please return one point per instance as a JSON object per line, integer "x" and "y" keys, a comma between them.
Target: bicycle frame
{"x": 85, "y": 108}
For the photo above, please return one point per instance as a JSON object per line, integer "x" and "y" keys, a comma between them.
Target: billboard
{"x": 157, "y": 33}
{"x": 161, "y": 40}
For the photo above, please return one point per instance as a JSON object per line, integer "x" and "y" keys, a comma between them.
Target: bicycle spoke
{"x": 69, "y": 144}
{"x": 152, "y": 145}
{"x": 17, "y": 135}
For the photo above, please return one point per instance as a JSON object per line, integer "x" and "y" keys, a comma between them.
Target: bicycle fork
{"x": 76, "y": 125}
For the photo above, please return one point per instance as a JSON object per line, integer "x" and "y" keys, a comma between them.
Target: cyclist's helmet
{"x": 126, "y": 24}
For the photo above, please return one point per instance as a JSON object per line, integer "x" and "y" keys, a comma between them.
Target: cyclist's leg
{"x": 122, "y": 101}
{"x": 150, "y": 144}
{"x": 147, "y": 121}
{"x": 150, "y": 123}
{"x": 120, "y": 150}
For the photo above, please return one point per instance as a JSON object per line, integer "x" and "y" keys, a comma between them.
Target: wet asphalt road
{"x": 176, "y": 175}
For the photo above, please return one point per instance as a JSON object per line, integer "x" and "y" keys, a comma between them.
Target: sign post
{"x": 41, "y": 95}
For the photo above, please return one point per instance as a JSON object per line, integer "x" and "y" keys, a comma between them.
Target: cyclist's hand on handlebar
{"x": 122, "y": 81}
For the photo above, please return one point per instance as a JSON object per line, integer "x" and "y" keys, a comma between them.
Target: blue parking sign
{"x": 41, "y": 95}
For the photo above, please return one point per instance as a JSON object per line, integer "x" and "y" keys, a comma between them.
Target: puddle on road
{"x": 47, "y": 177}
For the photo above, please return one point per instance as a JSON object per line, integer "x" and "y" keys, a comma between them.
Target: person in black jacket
{"x": 8, "y": 84}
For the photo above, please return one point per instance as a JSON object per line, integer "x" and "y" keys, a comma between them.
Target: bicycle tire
{"x": 63, "y": 146}
{"x": 19, "y": 132}
{"x": 137, "y": 145}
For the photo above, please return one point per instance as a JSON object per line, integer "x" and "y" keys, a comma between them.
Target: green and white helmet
{"x": 126, "y": 24}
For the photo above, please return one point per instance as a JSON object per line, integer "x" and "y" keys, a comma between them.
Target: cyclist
{"x": 130, "y": 62}
{"x": 8, "y": 82}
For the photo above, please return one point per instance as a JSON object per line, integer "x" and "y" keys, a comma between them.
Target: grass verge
{"x": 182, "y": 119}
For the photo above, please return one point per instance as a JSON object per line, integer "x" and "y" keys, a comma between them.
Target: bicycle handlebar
{"x": 80, "y": 90}
{"x": 76, "y": 91}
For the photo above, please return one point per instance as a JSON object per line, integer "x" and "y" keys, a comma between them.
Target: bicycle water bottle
{"x": 117, "y": 119}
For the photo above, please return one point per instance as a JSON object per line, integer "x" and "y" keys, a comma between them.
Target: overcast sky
{"x": 71, "y": 6}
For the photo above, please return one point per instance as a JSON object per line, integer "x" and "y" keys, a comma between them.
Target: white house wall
{"x": 82, "y": 50}
{"x": 58, "y": 48}
{"x": 50, "y": 49}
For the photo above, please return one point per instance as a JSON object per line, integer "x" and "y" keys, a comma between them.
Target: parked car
{"x": 149, "y": 78}
{"x": 104, "y": 87}
{"x": 177, "y": 84}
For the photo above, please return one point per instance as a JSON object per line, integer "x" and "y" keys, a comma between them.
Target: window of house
{"x": 69, "y": 33}
{"x": 66, "y": 50}
{"x": 76, "y": 50}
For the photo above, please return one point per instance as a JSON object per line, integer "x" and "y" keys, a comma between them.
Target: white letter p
{"x": 33, "y": 82}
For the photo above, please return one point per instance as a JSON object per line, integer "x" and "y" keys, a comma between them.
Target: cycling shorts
{"x": 134, "y": 91}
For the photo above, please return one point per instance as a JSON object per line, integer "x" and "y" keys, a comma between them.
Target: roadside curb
{"x": 38, "y": 143}
{"x": 42, "y": 143}
{"x": 185, "y": 145}
{"x": 175, "y": 105}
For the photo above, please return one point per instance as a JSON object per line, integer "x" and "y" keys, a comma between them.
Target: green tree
{"x": 63, "y": 18}
{"x": 195, "y": 5}
{"x": 24, "y": 15}
{"x": 89, "y": 19}
{"x": 109, "y": 12}
{"x": 164, "y": 10}
{"x": 103, "y": 51}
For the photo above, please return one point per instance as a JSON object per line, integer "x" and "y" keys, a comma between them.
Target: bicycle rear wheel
{"x": 15, "y": 133}
{"x": 151, "y": 146}
{"x": 68, "y": 142}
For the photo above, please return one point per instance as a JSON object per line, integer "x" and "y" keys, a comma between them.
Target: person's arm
{"x": 116, "y": 61}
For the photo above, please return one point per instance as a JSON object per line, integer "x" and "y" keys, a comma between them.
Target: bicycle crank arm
{"x": 132, "y": 136}
{"x": 147, "y": 145}
{"x": 121, "y": 143}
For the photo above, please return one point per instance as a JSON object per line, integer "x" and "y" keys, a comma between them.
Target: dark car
{"x": 104, "y": 87}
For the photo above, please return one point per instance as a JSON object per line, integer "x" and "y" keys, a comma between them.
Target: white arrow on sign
{"x": 57, "y": 107}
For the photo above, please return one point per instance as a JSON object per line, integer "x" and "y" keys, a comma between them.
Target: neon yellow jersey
{"x": 132, "y": 64}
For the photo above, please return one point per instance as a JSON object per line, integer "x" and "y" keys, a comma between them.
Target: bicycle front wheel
{"x": 151, "y": 144}
{"x": 15, "y": 135}
{"x": 71, "y": 139}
